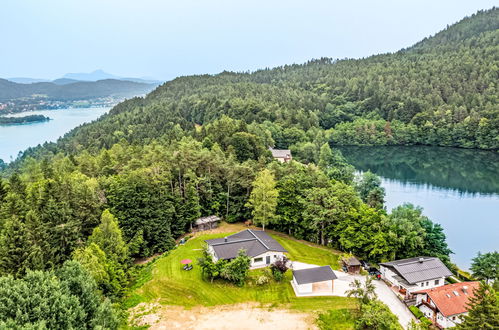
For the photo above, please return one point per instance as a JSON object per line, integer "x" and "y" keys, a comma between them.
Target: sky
{"x": 164, "y": 39}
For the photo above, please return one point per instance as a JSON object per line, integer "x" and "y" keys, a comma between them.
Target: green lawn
{"x": 167, "y": 283}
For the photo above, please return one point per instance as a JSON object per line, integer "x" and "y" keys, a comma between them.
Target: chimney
{"x": 421, "y": 260}
{"x": 465, "y": 289}
{"x": 225, "y": 239}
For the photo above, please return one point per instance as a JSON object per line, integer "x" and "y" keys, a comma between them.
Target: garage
{"x": 316, "y": 281}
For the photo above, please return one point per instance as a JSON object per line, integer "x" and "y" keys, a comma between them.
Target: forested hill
{"x": 73, "y": 91}
{"x": 441, "y": 91}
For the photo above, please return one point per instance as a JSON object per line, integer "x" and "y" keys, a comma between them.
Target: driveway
{"x": 385, "y": 294}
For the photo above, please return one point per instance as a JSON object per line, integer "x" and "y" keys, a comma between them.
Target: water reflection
{"x": 463, "y": 170}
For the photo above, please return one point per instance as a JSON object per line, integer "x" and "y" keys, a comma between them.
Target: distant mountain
{"x": 66, "y": 89}
{"x": 102, "y": 75}
{"x": 64, "y": 81}
{"x": 24, "y": 80}
{"x": 92, "y": 76}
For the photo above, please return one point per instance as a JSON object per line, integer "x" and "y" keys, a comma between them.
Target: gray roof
{"x": 280, "y": 153}
{"x": 419, "y": 269}
{"x": 211, "y": 218}
{"x": 312, "y": 275}
{"x": 352, "y": 261}
{"x": 255, "y": 242}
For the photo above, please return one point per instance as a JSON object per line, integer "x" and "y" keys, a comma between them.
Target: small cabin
{"x": 281, "y": 155}
{"x": 352, "y": 265}
{"x": 206, "y": 223}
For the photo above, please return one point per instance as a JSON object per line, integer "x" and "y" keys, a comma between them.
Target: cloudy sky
{"x": 164, "y": 39}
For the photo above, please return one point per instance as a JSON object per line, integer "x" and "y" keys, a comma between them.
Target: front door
{"x": 268, "y": 260}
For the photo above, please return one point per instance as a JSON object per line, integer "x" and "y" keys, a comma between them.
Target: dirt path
{"x": 240, "y": 316}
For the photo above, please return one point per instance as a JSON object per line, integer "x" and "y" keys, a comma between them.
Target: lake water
{"x": 15, "y": 138}
{"x": 457, "y": 188}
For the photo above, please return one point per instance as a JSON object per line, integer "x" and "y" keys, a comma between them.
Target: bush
{"x": 417, "y": 313}
{"x": 278, "y": 268}
{"x": 278, "y": 276}
{"x": 262, "y": 280}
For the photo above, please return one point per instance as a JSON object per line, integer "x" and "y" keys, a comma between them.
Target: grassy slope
{"x": 166, "y": 282}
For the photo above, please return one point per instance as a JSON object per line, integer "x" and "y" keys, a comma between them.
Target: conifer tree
{"x": 483, "y": 310}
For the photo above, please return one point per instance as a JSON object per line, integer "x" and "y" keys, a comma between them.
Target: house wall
{"x": 428, "y": 284}
{"x": 273, "y": 257}
{"x": 388, "y": 274}
{"x": 325, "y": 286}
{"x": 449, "y": 322}
{"x": 427, "y": 311}
{"x": 212, "y": 252}
{"x": 303, "y": 288}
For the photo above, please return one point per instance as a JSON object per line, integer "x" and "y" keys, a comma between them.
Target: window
{"x": 437, "y": 282}
{"x": 257, "y": 260}
{"x": 427, "y": 283}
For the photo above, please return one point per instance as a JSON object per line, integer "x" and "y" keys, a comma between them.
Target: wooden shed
{"x": 352, "y": 265}
{"x": 206, "y": 223}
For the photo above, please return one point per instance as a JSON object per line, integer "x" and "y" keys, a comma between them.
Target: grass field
{"x": 165, "y": 282}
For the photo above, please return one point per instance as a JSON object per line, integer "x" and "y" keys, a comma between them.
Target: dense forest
{"x": 131, "y": 183}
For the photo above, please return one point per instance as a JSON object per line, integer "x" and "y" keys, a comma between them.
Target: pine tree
{"x": 14, "y": 248}
{"x": 483, "y": 310}
{"x": 263, "y": 198}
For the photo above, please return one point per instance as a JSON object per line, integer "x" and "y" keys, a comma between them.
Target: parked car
{"x": 374, "y": 271}
{"x": 365, "y": 264}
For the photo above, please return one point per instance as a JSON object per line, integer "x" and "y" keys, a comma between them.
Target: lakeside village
{"x": 416, "y": 290}
{"x": 39, "y": 102}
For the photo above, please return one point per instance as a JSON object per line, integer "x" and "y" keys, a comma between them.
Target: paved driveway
{"x": 385, "y": 294}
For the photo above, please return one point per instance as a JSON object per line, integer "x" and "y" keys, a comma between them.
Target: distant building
{"x": 206, "y": 223}
{"x": 445, "y": 305}
{"x": 282, "y": 155}
{"x": 258, "y": 245}
{"x": 414, "y": 274}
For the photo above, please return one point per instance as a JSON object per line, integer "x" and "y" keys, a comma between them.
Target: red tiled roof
{"x": 452, "y": 299}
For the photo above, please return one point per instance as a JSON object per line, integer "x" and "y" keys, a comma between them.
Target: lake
{"x": 15, "y": 138}
{"x": 457, "y": 188}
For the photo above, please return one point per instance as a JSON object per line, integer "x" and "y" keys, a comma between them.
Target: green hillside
{"x": 442, "y": 91}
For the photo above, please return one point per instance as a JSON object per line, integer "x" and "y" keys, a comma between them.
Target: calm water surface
{"x": 457, "y": 188}
{"x": 15, "y": 138}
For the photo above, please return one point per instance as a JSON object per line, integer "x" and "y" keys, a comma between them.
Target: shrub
{"x": 278, "y": 268}
{"x": 417, "y": 313}
{"x": 278, "y": 276}
{"x": 262, "y": 280}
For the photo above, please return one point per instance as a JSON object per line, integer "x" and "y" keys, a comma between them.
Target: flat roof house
{"x": 282, "y": 155}
{"x": 316, "y": 281}
{"x": 259, "y": 246}
{"x": 445, "y": 305}
{"x": 414, "y": 274}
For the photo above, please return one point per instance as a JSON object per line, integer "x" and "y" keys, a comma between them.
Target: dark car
{"x": 374, "y": 271}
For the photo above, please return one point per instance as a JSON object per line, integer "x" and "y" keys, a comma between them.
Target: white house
{"x": 258, "y": 245}
{"x": 313, "y": 281}
{"x": 414, "y": 274}
{"x": 445, "y": 305}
